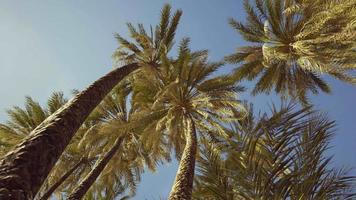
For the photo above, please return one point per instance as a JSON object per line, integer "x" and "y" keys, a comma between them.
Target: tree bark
{"x": 183, "y": 183}
{"x": 50, "y": 191}
{"x": 88, "y": 181}
{"x": 23, "y": 170}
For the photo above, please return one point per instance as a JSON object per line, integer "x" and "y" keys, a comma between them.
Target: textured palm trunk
{"x": 23, "y": 170}
{"x": 50, "y": 191}
{"x": 183, "y": 183}
{"x": 84, "y": 186}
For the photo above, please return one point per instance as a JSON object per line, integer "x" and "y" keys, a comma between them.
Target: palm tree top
{"x": 185, "y": 88}
{"x": 293, "y": 43}
{"x": 147, "y": 46}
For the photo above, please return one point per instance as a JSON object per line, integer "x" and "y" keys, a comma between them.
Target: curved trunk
{"x": 50, "y": 191}
{"x": 84, "y": 186}
{"x": 183, "y": 183}
{"x": 23, "y": 170}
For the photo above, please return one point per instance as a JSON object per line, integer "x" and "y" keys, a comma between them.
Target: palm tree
{"x": 24, "y": 169}
{"x": 186, "y": 100}
{"x": 281, "y": 156}
{"x": 294, "y": 42}
{"x": 115, "y": 122}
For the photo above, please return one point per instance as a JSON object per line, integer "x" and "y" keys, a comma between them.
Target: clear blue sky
{"x": 48, "y": 46}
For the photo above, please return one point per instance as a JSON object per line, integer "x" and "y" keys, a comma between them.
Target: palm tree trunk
{"x": 49, "y": 192}
{"x": 23, "y": 170}
{"x": 183, "y": 183}
{"x": 84, "y": 186}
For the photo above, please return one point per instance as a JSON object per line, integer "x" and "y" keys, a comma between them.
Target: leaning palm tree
{"x": 293, "y": 43}
{"x": 23, "y": 170}
{"x": 117, "y": 129}
{"x": 188, "y": 101}
{"x": 281, "y": 156}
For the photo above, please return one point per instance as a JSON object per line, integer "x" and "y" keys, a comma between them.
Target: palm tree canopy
{"x": 281, "y": 156}
{"x": 294, "y": 42}
{"x": 147, "y": 46}
{"x": 182, "y": 88}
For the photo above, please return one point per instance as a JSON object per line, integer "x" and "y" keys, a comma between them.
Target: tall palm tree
{"x": 293, "y": 43}
{"x": 24, "y": 169}
{"x": 117, "y": 129}
{"x": 281, "y": 156}
{"x": 187, "y": 100}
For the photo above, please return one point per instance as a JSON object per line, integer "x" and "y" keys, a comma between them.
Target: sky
{"x": 53, "y": 45}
